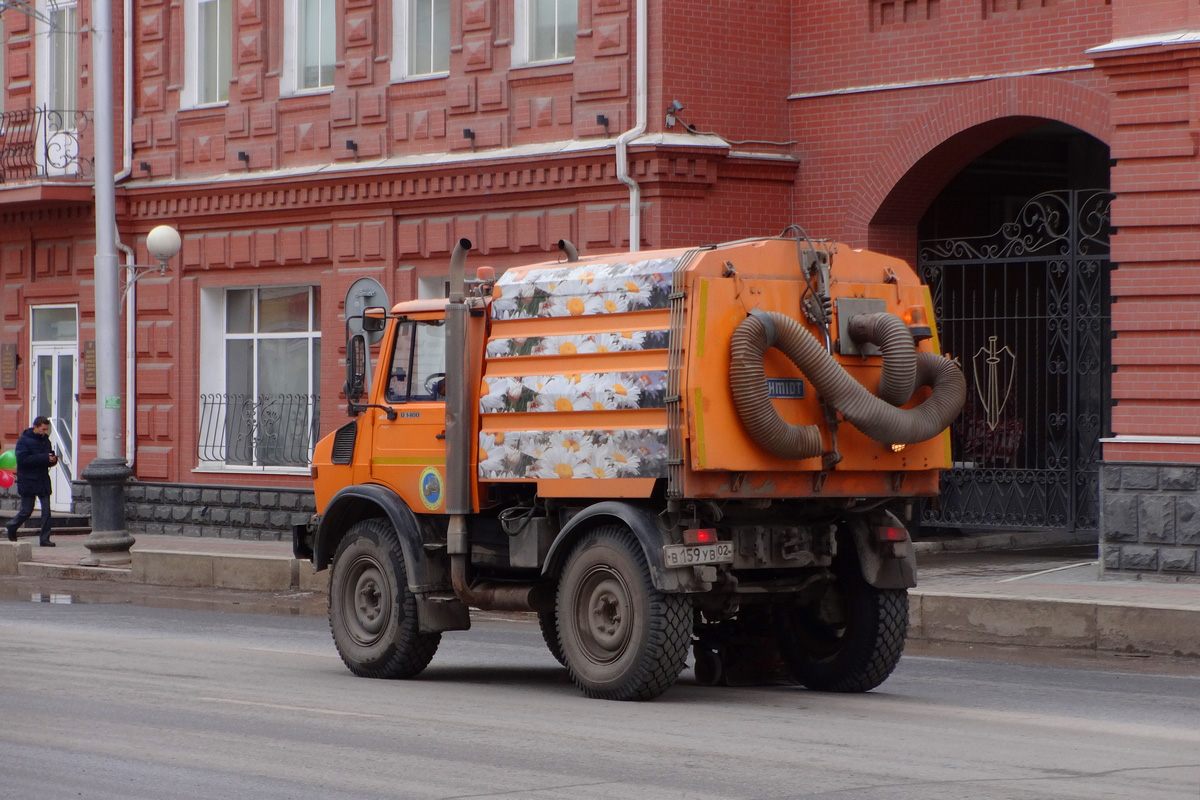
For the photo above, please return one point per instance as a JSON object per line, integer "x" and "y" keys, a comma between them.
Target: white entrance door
{"x": 54, "y": 362}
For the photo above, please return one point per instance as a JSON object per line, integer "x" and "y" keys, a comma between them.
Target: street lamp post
{"x": 109, "y": 542}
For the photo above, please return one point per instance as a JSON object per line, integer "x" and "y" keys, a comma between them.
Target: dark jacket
{"x": 33, "y": 464}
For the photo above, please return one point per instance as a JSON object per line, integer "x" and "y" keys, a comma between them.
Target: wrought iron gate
{"x": 1026, "y": 313}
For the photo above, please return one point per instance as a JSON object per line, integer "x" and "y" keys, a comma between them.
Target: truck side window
{"x": 401, "y": 366}
{"x": 418, "y": 367}
{"x": 429, "y": 362}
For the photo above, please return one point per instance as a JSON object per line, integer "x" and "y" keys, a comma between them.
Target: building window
{"x": 64, "y": 57}
{"x": 545, "y": 30}
{"x": 208, "y": 51}
{"x": 315, "y": 39}
{"x": 421, "y": 38}
{"x": 259, "y": 407}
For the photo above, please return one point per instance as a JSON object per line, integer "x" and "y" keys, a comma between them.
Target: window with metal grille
{"x": 260, "y": 377}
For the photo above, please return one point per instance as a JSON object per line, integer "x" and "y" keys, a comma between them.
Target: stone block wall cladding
{"x": 226, "y": 512}
{"x": 1150, "y": 517}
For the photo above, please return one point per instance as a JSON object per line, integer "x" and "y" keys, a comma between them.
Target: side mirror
{"x": 374, "y": 319}
{"x": 356, "y": 366}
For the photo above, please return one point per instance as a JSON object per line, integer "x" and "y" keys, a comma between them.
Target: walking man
{"x": 35, "y": 457}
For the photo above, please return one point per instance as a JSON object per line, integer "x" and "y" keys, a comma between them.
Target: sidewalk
{"x": 1049, "y": 597}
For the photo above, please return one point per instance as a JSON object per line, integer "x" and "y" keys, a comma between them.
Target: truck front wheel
{"x": 549, "y": 630}
{"x": 372, "y": 612}
{"x": 849, "y": 640}
{"x": 622, "y": 638}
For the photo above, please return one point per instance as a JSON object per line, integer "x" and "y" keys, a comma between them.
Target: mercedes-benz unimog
{"x": 710, "y": 450}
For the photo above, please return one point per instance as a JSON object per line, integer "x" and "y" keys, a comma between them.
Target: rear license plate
{"x": 685, "y": 555}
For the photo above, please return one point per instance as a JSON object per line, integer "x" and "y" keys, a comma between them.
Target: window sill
{"x": 554, "y": 62}
{"x": 205, "y": 106}
{"x": 318, "y": 92}
{"x": 433, "y": 76}
{"x": 211, "y": 108}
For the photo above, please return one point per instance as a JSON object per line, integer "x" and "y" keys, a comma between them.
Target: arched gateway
{"x": 1007, "y": 219}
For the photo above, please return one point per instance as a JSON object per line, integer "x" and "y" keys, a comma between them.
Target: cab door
{"x": 409, "y": 453}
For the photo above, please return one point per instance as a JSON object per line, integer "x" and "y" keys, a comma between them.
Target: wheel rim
{"x": 604, "y": 616}
{"x": 367, "y": 596}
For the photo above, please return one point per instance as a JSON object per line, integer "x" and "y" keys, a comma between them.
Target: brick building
{"x": 309, "y": 151}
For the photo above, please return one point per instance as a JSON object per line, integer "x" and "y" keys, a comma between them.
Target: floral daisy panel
{"x": 588, "y": 391}
{"x": 525, "y": 455}
{"x": 576, "y": 290}
{"x": 572, "y": 344}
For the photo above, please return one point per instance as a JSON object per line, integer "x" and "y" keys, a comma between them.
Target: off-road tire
{"x": 372, "y": 612}
{"x": 550, "y": 635}
{"x": 853, "y": 654}
{"x": 622, "y": 639}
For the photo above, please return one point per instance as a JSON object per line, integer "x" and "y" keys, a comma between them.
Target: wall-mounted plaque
{"x": 8, "y": 366}
{"x": 89, "y": 364}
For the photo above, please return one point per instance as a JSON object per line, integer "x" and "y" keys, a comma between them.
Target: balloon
{"x": 8, "y": 460}
{"x": 6, "y": 479}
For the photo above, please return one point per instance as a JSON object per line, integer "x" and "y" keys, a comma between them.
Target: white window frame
{"x": 212, "y": 362}
{"x": 63, "y": 140}
{"x": 191, "y": 55}
{"x": 46, "y": 70}
{"x": 290, "y": 79}
{"x": 3, "y": 49}
{"x": 522, "y": 47}
{"x": 402, "y": 15}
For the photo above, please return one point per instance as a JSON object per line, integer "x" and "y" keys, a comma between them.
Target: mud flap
{"x": 885, "y": 565}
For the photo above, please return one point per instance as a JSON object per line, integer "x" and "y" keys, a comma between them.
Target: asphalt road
{"x": 111, "y": 701}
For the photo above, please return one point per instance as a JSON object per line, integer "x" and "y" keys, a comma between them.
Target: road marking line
{"x": 1048, "y": 571}
{"x": 292, "y": 708}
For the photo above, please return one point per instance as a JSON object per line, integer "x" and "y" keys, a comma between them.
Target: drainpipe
{"x": 635, "y": 191}
{"x": 130, "y": 354}
{"x": 127, "y": 107}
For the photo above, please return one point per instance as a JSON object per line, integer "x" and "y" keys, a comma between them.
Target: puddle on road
{"x": 60, "y": 599}
{"x": 293, "y": 604}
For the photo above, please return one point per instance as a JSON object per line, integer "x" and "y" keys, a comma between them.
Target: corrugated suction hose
{"x": 895, "y": 341}
{"x": 873, "y": 416}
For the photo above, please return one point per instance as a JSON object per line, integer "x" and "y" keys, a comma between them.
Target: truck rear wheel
{"x": 850, "y": 640}
{"x": 622, "y": 638}
{"x": 372, "y": 612}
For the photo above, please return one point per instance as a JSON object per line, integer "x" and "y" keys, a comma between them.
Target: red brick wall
{"x": 1156, "y": 290}
{"x": 872, "y": 162}
{"x": 840, "y": 44}
{"x": 883, "y": 101}
{"x": 727, "y": 62}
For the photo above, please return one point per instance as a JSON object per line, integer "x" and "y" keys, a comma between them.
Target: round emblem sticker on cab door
{"x": 431, "y": 488}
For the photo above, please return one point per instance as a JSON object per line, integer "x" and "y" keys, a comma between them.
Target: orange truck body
{"x": 578, "y": 366}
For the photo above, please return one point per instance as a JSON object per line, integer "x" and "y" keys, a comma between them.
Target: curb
{"x": 1014, "y": 540}
{"x": 1052, "y": 623}
{"x": 934, "y": 616}
{"x": 178, "y": 569}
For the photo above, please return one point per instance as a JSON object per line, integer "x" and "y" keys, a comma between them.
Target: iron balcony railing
{"x": 266, "y": 430}
{"x": 38, "y": 143}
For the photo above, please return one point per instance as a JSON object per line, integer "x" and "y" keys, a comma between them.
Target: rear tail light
{"x": 700, "y": 536}
{"x": 891, "y": 533}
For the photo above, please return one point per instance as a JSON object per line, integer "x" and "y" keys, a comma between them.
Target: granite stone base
{"x": 1150, "y": 521}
